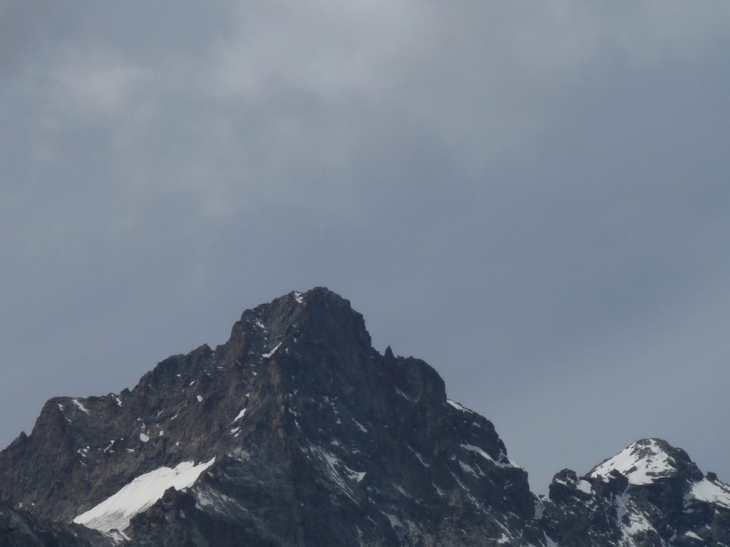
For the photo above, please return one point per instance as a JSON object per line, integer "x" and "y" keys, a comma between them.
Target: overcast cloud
{"x": 532, "y": 197}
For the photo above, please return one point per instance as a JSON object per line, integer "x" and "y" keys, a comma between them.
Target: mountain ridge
{"x": 296, "y": 431}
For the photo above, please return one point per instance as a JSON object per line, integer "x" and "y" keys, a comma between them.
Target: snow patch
{"x": 240, "y": 415}
{"x": 468, "y": 469}
{"x": 199, "y": 398}
{"x": 394, "y": 521}
{"x": 81, "y": 407}
{"x": 418, "y": 455}
{"x": 711, "y": 492}
{"x": 631, "y": 520}
{"x": 272, "y": 352}
{"x": 220, "y": 503}
{"x": 457, "y": 406}
{"x": 117, "y": 537}
{"x": 144, "y": 438}
{"x": 402, "y": 491}
{"x": 355, "y": 475}
{"x": 115, "y": 512}
{"x": 334, "y": 464}
{"x": 499, "y": 463}
{"x": 584, "y": 486}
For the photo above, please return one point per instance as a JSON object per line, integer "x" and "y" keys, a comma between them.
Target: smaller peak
{"x": 643, "y": 462}
{"x": 566, "y": 485}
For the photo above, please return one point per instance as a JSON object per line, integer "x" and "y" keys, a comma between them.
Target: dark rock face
{"x": 22, "y": 529}
{"x": 296, "y": 432}
{"x": 317, "y": 439}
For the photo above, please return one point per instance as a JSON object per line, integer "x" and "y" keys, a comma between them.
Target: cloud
{"x": 507, "y": 190}
{"x": 98, "y": 84}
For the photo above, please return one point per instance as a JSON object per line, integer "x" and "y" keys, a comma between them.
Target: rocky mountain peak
{"x": 296, "y": 432}
{"x": 647, "y": 461}
{"x": 650, "y": 493}
{"x": 318, "y": 316}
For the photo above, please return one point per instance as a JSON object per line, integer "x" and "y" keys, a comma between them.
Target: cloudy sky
{"x": 534, "y": 197}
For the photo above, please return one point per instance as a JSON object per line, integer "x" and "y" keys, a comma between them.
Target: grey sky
{"x": 532, "y": 197}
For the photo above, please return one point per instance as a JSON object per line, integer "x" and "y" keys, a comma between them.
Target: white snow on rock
{"x": 144, "y": 438}
{"x": 298, "y": 297}
{"x": 81, "y": 407}
{"x": 240, "y": 415}
{"x": 466, "y": 468}
{"x": 457, "y": 406}
{"x": 115, "y": 512}
{"x": 631, "y": 520}
{"x": 199, "y": 398}
{"x": 584, "y": 486}
{"x": 641, "y": 463}
{"x": 272, "y": 352}
{"x": 711, "y": 492}
{"x": 355, "y": 475}
{"x": 483, "y": 454}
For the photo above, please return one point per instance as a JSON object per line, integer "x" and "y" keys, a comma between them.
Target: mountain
{"x": 650, "y": 494}
{"x": 296, "y": 432}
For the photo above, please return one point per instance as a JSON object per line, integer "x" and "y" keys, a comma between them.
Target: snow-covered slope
{"x": 115, "y": 512}
{"x": 641, "y": 463}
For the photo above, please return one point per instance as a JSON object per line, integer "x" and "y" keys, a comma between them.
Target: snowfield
{"x": 115, "y": 512}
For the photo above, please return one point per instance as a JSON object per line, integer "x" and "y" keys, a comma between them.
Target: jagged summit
{"x": 296, "y": 432}
{"x": 646, "y": 461}
{"x": 320, "y": 315}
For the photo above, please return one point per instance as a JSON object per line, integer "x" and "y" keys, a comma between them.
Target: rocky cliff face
{"x": 302, "y": 433}
{"x": 296, "y": 432}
